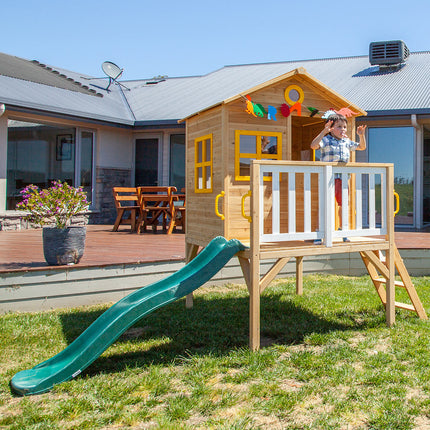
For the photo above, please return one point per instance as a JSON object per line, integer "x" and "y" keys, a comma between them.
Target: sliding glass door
{"x": 396, "y": 145}
{"x": 39, "y": 154}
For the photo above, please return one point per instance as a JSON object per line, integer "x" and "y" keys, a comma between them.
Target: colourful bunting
{"x": 347, "y": 112}
{"x": 285, "y": 110}
{"x": 296, "y": 107}
{"x": 250, "y": 106}
{"x": 313, "y": 111}
{"x": 271, "y": 112}
{"x": 328, "y": 113}
{"x": 258, "y": 110}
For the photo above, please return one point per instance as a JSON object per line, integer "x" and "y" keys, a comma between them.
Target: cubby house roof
{"x": 302, "y": 74}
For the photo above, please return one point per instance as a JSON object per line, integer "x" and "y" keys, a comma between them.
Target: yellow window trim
{"x": 258, "y": 156}
{"x": 206, "y": 162}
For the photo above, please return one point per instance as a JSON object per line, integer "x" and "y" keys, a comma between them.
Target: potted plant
{"x": 53, "y": 208}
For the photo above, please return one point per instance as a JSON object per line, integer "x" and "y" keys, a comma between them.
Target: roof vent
{"x": 390, "y": 53}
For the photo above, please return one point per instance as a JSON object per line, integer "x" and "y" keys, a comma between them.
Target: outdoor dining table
{"x": 156, "y": 202}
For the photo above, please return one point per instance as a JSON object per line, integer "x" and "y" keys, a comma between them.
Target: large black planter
{"x": 64, "y": 245}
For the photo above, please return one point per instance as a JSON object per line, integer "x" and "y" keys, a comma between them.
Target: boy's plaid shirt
{"x": 333, "y": 149}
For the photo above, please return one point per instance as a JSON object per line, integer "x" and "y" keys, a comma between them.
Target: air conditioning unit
{"x": 388, "y": 53}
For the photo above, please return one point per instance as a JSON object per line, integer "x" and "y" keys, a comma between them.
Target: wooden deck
{"x": 23, "y": 251}
{"x": 116, "y": 263}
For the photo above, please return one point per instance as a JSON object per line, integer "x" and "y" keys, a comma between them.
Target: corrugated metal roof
{"x": 352, "y": 77}
{"x": 40, "y": 73}
{"x": 407, "y": 88}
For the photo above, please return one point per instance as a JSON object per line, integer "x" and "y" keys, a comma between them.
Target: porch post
{"x": 3, "y": 161}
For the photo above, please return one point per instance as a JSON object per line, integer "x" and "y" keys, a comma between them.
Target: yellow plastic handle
{"x": 221, "y": 194}
{"x": 248, "y": 194}
{"x": 396, "y": 196}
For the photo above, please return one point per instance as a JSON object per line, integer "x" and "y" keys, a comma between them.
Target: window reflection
{"x": 426, "y": 176}
{"x": 269, "y": 144}
{"x": 396, "y": 145}
{"x": 38, "y": 154}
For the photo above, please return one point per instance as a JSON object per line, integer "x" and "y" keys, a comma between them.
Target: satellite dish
{"x": 113, "y": 72}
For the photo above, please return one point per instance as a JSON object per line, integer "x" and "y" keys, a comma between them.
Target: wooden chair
{"x": 127, "y": 206}
{"x": 155, "y": 203}
{"x": 180, "y": 201}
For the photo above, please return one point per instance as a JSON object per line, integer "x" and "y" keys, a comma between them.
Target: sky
{"x": 188, "y": 38}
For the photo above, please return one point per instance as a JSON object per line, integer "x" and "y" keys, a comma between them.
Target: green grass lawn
{"x": 328, "y": 361}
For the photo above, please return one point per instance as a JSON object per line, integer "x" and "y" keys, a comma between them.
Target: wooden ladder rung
{"x": 396, "y": 283}
{"x": 405, "y": 306}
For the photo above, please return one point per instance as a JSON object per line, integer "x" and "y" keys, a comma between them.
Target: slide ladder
{"x": 378, "y": 271}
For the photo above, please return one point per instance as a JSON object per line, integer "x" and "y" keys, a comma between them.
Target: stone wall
{"x": 107, "y": 178}
{"x": 12, "y": 220}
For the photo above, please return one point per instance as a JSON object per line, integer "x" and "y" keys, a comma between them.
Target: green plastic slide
{"x": 70, "y": 362}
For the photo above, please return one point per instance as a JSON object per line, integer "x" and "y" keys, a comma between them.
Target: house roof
{"x": 30, "y": 85}
{"x": 34, "y": 71}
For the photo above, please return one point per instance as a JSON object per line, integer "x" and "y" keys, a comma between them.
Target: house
{"x": 95, "y": 132}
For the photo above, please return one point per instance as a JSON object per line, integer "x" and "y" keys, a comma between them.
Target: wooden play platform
{"x": 251, "y": 176}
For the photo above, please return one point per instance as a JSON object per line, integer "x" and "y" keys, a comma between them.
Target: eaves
{"x": 70, "y": 115}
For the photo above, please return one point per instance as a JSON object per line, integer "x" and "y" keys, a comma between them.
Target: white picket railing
{"x": 366, "y": 175}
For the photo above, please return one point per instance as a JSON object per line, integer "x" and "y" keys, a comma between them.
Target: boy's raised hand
{"x": 328, "y": 127}
{"x": 361, "y": 129}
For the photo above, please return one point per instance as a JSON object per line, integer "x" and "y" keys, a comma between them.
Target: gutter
{"x": 89, "y": 120}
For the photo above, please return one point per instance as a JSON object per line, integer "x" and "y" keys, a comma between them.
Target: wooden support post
{"x": 190, "y": 253}
{"x": 254, "y": 293}
{"x": 254, "y": 303}
{"x": 299, "y": 276}
{"x": 246, "y": 268}
{"x": 390, "y": 310}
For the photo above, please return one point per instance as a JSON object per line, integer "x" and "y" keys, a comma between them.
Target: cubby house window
{"x": 203, "y": 164}
{"x": 255, "y": 145}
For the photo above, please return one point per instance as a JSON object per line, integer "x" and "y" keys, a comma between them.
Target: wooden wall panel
{"x": 202, "y": 223}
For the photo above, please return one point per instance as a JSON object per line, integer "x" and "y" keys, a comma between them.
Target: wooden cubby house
{"x": 251, "y": 176}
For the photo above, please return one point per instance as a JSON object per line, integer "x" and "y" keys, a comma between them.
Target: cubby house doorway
{"x": 303, "y": 131}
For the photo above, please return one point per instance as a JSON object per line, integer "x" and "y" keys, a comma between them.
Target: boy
{"x": 336, "y": 146}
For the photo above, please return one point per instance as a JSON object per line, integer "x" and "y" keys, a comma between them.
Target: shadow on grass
{"x": 213, "y": 326}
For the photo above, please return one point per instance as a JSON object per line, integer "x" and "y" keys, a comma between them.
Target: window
{"x": 177, "y": 161}
{"x": 255, "y": 145}
{"x": 39, "y": 153}
{"x": 203, "y": 164}
{"x": 396, "y": 145}
{"x": 86, "y": 162}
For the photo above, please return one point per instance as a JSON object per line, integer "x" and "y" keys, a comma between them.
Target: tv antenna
{"x": 113, "y": 72}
